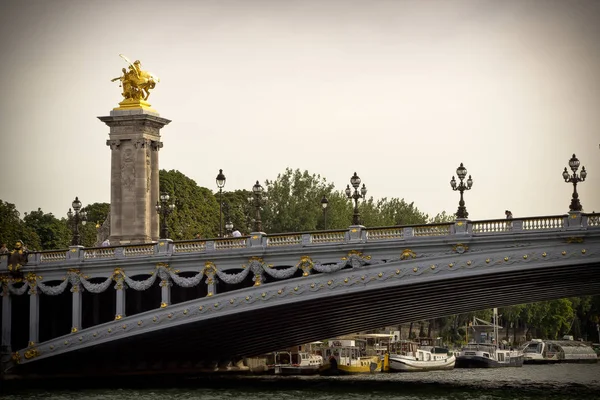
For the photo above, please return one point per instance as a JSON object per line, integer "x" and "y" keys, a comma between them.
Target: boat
{"x": 539, "y": 351}
{"x": 300, "y": 363}
{"x": 411, "y": 357}
{"x": 349, "y": 356}
{"x": 487, "y": 354}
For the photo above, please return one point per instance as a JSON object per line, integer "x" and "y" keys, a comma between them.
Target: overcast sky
{"x": 399, "y": 91}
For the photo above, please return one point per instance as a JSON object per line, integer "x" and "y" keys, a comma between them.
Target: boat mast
{"x": 496, "y": 327}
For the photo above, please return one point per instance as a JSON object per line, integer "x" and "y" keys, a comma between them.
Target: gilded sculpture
{"x": 136, "y": 84}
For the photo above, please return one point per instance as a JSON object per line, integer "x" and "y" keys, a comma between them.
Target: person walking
{"x": 236, "y": 233}
{"x": 509, "y": 217}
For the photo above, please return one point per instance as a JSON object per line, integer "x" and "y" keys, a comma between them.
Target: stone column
{"x": 120, "y": 289}
{"x": 5, "y": 347}
{"x": 34, "y": 313}
{"x": 165, "y": 288}
{"x": 76, "y": 309}
{"x": 134, "y": 140}
{"x": 211, "y": 287}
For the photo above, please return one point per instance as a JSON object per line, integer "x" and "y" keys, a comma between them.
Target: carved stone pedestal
{"x": 134, "y": 143}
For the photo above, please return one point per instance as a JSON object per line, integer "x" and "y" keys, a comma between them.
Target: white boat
{"x": 487, "y": 355}
{"x": 540, "y": 351}
{"x": 301, "y": 363}
{"x": 425, "y": 358}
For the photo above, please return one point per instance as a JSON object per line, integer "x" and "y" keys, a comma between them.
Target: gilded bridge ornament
{"x": 136, "y": 84}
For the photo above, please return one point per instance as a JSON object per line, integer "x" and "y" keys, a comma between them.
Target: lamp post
{"x": 75, "y": 217}
{"x": 574, "y": 179}
{"x": 324, "y": 204}
{"x": 257, "y": 191}
{"x": 164, "y": 208}
{"x": 228, "y": 227}
{"x": 355, "y": 181}
{"x": 220, "y": 185}
{"x": 461, "y": 187}
{"x": 228, "y": 223}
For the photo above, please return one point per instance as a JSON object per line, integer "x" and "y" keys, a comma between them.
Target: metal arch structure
{"x": 352, "y": 280}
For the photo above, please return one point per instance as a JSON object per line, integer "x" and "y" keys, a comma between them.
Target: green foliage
{"x": 12, "y": 228}
{"x": 294, "y": 205}
{"x": 197, "y": 209}
{"x": 294, "y": 202}
{"x": 53, "y": 232}
{"x": 96, "y": 215}
{"x": 441, "y": 218}
{"x": 238, "y": 210}
{"x": 511, "y": 316}
{"x": 390, "y": 212}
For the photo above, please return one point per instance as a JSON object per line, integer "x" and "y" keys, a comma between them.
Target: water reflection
{"x": 555, "y": 382}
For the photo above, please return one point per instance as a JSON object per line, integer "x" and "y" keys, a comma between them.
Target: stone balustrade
{"x": 352, "y": 235}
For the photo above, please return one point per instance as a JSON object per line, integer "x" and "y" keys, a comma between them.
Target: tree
{"x": 294, "y": 201}
{"x": 390, "y": 212}
{"x": 442, "y": 218}
{"x": 511, "y": 316}
{"x": 197, "y": 209}
{"x": 53, "y": 232}
{"x": 237, "y": 209}
{"x": 96, "y": 215}
{"x": 13, "y": 229}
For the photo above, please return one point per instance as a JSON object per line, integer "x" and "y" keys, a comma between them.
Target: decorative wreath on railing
{"x": 255, "y": 265}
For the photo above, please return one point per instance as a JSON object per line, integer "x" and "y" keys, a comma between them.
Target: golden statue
{"x": 136, "y": 84}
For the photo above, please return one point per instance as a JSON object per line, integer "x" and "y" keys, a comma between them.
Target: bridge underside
{"x": 194, "y": 345}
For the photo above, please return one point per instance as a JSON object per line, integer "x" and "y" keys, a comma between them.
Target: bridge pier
{"x": 120, "y": 292}
{"x": 34, "y": 314}
{"x": 5, "y": 345}
{"x": 165, "y": 289}
{"x": 76, "y": 309}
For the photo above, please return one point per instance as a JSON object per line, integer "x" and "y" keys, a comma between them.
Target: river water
{"x": 554, "y": 382}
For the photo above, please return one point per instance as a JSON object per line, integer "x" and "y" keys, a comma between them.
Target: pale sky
{"x": 399, "y": 91}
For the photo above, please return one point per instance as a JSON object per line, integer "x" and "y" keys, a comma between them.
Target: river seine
{"x": 554, "y": 382}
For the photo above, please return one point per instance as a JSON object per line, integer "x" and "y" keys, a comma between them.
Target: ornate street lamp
{"x": 574, "y": 179}
{"x": 324, "y": 204}
{"x": 220, "y": 185}
{"x": 228, "y": 227}
{"x": 164, "y": 208}
{"x": 355, "y": 181}
{"x": 257, "y": 191}
{"x": 461, "y": 187}
{"x": 75, "y": 218}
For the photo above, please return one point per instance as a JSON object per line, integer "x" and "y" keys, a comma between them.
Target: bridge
{"x": 192, "y": 304}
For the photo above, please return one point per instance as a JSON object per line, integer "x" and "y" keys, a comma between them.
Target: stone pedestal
{"x": 134, "y": 141}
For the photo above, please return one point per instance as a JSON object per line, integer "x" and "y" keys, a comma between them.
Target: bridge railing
{"x": 352, "y": 235}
